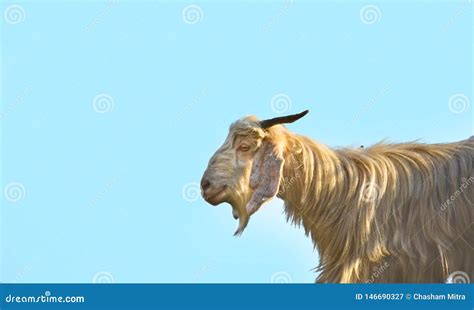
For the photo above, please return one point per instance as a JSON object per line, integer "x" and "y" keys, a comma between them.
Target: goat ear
{"x": 265, "y": 176}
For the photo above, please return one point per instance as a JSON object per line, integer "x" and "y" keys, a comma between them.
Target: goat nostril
{"x": 205, "y": 184}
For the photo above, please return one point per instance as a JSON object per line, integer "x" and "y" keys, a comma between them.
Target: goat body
{"x": 407, "y": 208}
{"x": 385, "y": 213}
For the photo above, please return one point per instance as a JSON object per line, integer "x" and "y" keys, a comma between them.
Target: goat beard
{"x": 240, "y": 208}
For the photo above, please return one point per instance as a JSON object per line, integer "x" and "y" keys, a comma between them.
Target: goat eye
{"x": 244, "y": 148}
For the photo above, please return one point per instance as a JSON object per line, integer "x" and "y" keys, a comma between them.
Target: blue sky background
{"x": 105, "y": 190}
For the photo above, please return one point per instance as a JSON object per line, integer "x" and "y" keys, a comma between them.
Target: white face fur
{"x": 227, "y": 176}
{"x": 246, "y": 170}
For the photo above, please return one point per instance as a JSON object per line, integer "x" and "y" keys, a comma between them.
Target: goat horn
{"x": 282, "y": 120}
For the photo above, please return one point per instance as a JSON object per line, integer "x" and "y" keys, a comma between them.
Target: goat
{"x": 405, "y": 208}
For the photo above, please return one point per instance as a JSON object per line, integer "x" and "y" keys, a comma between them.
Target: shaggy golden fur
{"x": 387, "y": 213}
